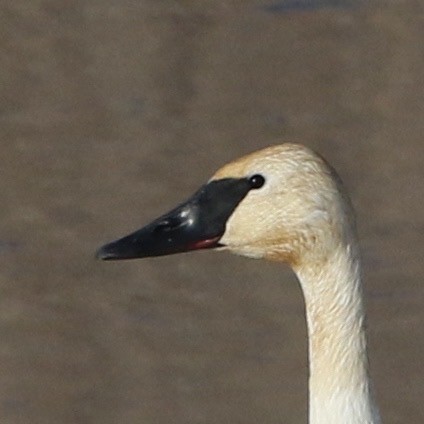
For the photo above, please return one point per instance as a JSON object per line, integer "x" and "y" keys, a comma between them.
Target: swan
{"x": 285, "y": 203}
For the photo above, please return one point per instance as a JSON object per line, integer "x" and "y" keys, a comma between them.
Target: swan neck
{"x": 339, "y": 387}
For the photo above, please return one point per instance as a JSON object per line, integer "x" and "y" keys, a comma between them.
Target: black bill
{"x": 199, "y": 223}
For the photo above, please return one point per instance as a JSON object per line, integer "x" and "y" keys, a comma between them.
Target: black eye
{"x": 256, "y": 181}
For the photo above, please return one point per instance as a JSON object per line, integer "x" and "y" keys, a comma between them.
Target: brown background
{"x": 113, "y": 111}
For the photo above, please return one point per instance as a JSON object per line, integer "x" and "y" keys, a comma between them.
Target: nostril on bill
{"x": 167, "y": 225}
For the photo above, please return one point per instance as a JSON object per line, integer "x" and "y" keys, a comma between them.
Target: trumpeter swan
{"x": 285, "y": 203}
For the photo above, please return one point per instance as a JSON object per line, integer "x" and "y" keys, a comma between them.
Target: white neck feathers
{"x": 339, "y": 387}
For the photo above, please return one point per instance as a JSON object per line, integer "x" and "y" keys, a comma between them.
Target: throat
{"x": 339, "y": 387}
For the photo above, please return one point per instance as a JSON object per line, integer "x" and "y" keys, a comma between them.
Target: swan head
{"x": 281, "y": 203}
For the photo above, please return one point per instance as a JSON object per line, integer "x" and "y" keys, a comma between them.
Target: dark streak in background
{"x": 302, "y": 5}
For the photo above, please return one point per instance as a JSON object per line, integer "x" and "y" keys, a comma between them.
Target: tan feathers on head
{"x": 297, "y": 214}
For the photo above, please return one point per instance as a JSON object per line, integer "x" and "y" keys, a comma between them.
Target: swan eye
{"x": 256, "y": 181}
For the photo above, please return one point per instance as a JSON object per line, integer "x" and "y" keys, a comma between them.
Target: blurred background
{"x": 111, "y": 112}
